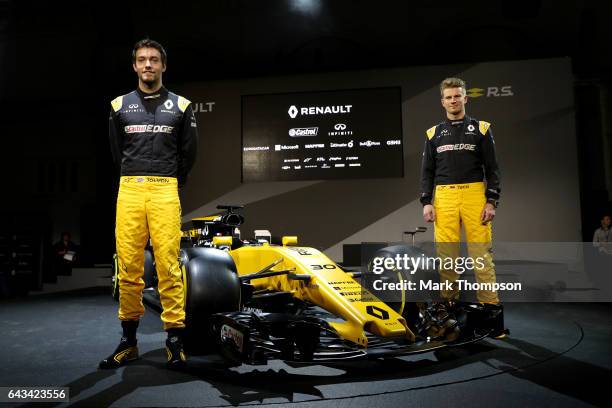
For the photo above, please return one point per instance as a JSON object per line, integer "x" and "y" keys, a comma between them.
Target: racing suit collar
{"x": 457, "y": 122}
{"x": 161, "y": 92}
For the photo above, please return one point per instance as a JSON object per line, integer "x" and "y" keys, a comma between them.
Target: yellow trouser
{"x": 457, "y": 204}
{"x": 149, "y": 205}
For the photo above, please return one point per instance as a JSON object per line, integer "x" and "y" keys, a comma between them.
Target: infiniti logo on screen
{"x": 340, "y": 129}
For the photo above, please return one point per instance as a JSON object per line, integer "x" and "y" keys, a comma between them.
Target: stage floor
{"x": 557, "y": 355}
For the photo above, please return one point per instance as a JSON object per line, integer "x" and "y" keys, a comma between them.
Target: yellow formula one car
{"x": 255, "y": 300}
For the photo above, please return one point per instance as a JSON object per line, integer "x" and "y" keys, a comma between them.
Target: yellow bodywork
{"x": 329, "y": 287}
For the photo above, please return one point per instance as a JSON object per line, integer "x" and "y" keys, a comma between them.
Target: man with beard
{"x": 153, "y": 137}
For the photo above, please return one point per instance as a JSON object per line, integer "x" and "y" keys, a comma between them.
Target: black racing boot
{"x": 174, "y": 349}
{"x": 494, "y": 318}
{"x": 127, "y": 350}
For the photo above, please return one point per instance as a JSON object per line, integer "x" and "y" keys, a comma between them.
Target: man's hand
{"x": 488, "y": 213}
{"x": 429, "y": 214}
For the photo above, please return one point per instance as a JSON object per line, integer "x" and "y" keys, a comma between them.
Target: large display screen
{"x": 322, "y": 135}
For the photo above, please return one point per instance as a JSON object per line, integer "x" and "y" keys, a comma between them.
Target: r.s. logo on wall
{"x": 491, "y": 91}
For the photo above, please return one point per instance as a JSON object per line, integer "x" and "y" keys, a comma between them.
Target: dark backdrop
{"x": 60, "y": 64}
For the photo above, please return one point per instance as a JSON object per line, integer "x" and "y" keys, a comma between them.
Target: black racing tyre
{"x": 150, "y": 273}
{"x": 149, "y": 277}
{"x": 405, "y": 302}
{"x": 212, "y": 286}
{"x": 188, "y": 254}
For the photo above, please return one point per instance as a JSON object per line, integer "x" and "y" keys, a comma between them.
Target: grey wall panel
{"x": 534, "y": 130}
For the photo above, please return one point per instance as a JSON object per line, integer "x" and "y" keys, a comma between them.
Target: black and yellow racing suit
{"x": 460, "y": 164}
{"x": 153, "y": 140}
